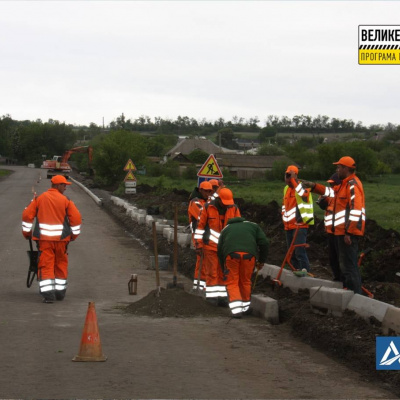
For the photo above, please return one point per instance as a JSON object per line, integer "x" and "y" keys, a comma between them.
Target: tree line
{"x": 30, "y": 141}
{"x": 297, "y": 124}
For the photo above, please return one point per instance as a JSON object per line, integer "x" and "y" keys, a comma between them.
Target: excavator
{"x": 59, "y": 164}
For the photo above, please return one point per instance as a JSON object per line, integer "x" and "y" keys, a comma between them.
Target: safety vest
{"x": 297, "y": 207}
{"x": 57, "y": 218}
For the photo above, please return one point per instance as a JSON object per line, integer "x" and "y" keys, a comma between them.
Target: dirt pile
{"x": 175, "y": 303}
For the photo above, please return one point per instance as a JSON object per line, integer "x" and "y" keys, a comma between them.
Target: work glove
{"x": 308, "y": 184}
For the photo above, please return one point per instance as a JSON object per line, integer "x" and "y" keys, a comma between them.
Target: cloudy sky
{"x": 79, "y": 62}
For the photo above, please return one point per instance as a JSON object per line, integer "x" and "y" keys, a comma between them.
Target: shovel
{"x": 175, "y": 284}
{"x": 33, "y": 264}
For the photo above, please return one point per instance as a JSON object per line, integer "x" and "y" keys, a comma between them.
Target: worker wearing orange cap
{"x": 297, "y": 214}
{"x": 58, "y": 222}
{"x": 195, "y": 206}
{"x": 213, "y": 218}
{"x": 327, "y": 204}
{"x": 348, "y": 218}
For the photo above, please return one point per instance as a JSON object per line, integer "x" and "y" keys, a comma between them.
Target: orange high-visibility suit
{"x": 211, "y": 222}
{"x": 347, "y": 218}
{"x": 195, "y": 207}
{"x": 58, "y": 221}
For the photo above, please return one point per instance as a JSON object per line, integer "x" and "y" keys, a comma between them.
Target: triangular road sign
{"x": 130, "y": 166}
{"x": 210, "y": 168}
{"x": 130, "y": 177}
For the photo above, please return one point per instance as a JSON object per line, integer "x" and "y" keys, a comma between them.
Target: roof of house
{"x": 180, "y": 158}
{"x": 186, "y": 146}
{"x": 243, "y": 161}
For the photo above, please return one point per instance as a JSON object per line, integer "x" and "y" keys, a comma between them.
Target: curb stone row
{"x": 326, "y": 297}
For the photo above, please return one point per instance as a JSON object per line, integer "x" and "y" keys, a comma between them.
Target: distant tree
{"x": 270, "y": 150}
{"x": 227, "y": 138}
{"x": 198, "y": 156}
{"x": 112, "y": 152}
{"x": 267, "y": 133}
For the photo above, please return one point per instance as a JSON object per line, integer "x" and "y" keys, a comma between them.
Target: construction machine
{"x": 59, "y": 164}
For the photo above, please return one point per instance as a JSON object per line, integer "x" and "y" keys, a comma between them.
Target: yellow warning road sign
{"x": 130, "y": 177}
{"x": 210, "y": 168}
{"x": 130, "y": 166}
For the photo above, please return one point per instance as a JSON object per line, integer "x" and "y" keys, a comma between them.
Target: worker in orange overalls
{"x": 58, "y": 222}
{"x": 195, "y": 206}
{"x": 348, "y": 218}
{"x": 240, "y": 245}
{"x": 327, "y": 204}
{"x": 213, "y": 218}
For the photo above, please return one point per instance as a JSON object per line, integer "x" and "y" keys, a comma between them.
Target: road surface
{"x": 147, "y": 358}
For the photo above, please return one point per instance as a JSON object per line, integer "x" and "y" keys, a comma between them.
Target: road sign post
{"x": 130, "y": 179}
{"x": 209, "y": 170}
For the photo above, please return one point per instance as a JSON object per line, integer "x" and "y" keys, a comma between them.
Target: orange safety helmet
{"x": 292, "y": 168}
{"x": 59, "y": 179}
{"x": 346, "y": 161}
{"x": 214, "y": 182}
{"x": 226, "y": 197}
{"x": 206, "y": 185}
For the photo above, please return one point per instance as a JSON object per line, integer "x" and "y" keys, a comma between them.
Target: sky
{"x": 80, "y": 62}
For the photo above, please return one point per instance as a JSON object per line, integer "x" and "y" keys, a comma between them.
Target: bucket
{"x": 163, "y": 261}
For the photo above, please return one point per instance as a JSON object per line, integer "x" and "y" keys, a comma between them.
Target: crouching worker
{"x": 58, "y": 222}
{"x": 239, "y": 245}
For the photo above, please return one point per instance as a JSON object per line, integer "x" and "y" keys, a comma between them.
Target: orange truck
{"x": 59, "y": 164}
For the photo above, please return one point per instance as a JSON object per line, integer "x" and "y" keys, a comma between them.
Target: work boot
{"x": 237, "y": 316}
{"x": 249, "y": 311}
{"x": 49, "y": 297}
{"x": 60, "y": 294}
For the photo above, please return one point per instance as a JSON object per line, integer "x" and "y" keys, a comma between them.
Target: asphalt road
{"x": 147, "y": 358}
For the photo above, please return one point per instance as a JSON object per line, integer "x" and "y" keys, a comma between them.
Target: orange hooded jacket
{"x": 57, "y": 218}
{"x": 348, "y": 206}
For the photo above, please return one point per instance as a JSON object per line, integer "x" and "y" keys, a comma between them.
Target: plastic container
{"x": 163, "y": 261}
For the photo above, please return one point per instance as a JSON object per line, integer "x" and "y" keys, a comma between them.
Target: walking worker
{"x": 213, "y": 218}
{"x": 58, "y": 222}
{"x": 348, "y": 218}
{"x": 195, "y": 206}
{"x": 326, "y": 204}
{"x": 297, "y": 213}
{"x": 240, "y": 245}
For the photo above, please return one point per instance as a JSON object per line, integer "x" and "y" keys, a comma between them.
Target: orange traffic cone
{"x": 90, "y": 349}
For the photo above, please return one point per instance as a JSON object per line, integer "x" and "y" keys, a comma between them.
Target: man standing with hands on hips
{"x": 58, "y": 222}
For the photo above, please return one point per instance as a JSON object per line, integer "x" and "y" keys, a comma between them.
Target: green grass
{"x": 4, "y": 172}
{"x": 381, "y": 195}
